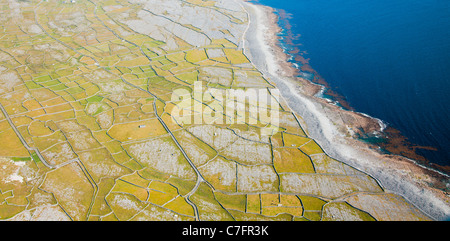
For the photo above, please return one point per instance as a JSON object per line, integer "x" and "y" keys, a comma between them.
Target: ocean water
{"x": 389, "y": 59}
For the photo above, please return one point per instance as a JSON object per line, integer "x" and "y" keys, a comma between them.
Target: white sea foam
{"x": 324, "y": 131}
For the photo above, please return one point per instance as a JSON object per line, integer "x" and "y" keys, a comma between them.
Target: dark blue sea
{"x": 389, "y": 59}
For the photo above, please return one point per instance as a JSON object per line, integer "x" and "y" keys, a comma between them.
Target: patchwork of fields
{"x": 87, "y": 128}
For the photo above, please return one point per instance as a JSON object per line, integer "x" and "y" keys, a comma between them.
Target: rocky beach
{"x": 334, "y": 128}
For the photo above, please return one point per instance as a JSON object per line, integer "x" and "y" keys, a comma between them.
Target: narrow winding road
{"x": 29, "y": 148}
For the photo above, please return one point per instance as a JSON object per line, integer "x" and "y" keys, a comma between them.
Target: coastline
{"x": 335, "y": 128}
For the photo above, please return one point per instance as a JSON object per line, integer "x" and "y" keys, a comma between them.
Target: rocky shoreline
{"x": 336, "y": 129}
